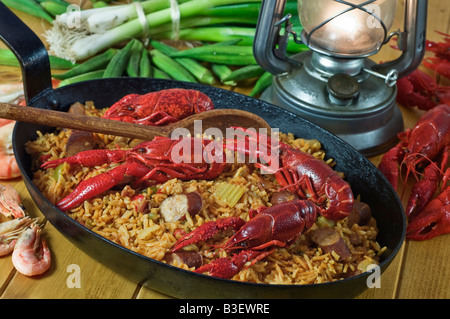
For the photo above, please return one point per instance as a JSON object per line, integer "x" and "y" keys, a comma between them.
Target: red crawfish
{"x": 268, "y": 228}
{"x": 159, "y": 108}
{"x": 321, "y": 188}
{"x": 150, "y": 162}
{"x": 423, "y": 148}
{"x": 433, "y": 220}
{"x": 440, "y": 66}
{"x": 440, "y": 49}
{"x": 423, "y": 191}
{"x": 421, "y": 90}
{"x": 311, "y": 178}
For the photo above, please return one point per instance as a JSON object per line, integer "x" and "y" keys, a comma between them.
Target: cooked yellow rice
{"x": 114, "y": 214}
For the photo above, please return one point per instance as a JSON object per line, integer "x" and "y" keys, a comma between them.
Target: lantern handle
{"x": 269, "y": 46}
{"x": 411, "y": 41}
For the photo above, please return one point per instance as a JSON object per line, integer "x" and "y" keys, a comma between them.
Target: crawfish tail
{"x": 89, "y": 158}
{"x": 207, "y": 231}
{"x": 229, "y": 267}
{"x": 340, "y": 198}
{"x": 92, "y": 187}
{"x": 279, "y": 225}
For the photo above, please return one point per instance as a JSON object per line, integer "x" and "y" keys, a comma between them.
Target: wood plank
{"x": 388, "y": 281}
{"x": 146, "y": 293}
{"x": 420, "y": 270}
{"x": 413, "y": 279}
{"x": 96, "y": 280}
{"x": 426, "y": 271}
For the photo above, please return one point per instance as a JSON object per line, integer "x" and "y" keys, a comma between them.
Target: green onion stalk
{"x": 80, "y": 35}
{"x": 220, "y": 34}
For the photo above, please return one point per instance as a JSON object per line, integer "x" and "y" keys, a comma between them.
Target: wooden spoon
{"x": 218, "y": 118}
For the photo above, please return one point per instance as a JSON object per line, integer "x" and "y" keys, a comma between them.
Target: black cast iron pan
{"x": 364, "y": 178}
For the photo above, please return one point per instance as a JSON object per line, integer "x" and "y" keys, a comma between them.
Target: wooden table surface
{"x": 420, "y": 270}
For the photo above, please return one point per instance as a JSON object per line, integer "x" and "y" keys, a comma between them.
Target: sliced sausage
{"x": 77, "y": 108}
{"x": 329, "y": 240}
{"x": 190, "y": 258}
{"x": 175, "y": 207}
{"x": 79, "y": 141}
{"x": 361, "y": 214}
{"x": 194, "y": 203}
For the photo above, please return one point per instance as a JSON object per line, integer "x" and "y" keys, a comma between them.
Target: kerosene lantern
{"x": 335, "y": 84}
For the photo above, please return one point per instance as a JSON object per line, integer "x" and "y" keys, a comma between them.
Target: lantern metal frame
{"x": 311, "y": 83}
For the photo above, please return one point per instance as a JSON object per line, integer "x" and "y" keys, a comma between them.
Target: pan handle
{"x": 29, "y": 50}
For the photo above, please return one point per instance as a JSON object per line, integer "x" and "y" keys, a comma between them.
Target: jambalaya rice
{"x": 115, "y": 214}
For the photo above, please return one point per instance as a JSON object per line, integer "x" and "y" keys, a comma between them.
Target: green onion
{"x": 248, "y": 10}
{"x": 216, "y": 34}
{"x": 219, "y": 34}
{"x": 99, "y": 4}
{"x": 165, "y": 31}
{"x": 29, "y": 6}
{"x": 223, "y": 54}
{"x": 54, "y": 7}
{"x": 89, "y": 44}
{"x": 57, "y": 1}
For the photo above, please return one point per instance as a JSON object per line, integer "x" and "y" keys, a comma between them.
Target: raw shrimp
{"x": 8, "y": 165}
{"x": 12, "y": 93}
{"x": 10, "y": 231}
{"x": 10, "y": 202}
{"x": 9, "y": 93}
{"x": 31, "y": 255}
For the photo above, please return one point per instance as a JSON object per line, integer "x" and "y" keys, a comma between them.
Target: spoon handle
{"x": 79, "y": 122}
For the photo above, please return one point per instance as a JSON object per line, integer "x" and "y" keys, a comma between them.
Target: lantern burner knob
{"x": 342, "y": 89}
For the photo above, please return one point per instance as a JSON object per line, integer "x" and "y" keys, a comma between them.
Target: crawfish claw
{"x": 207, "y": 231}
{"x": 433, "y": 221}
{"x": 228, "y": 267}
